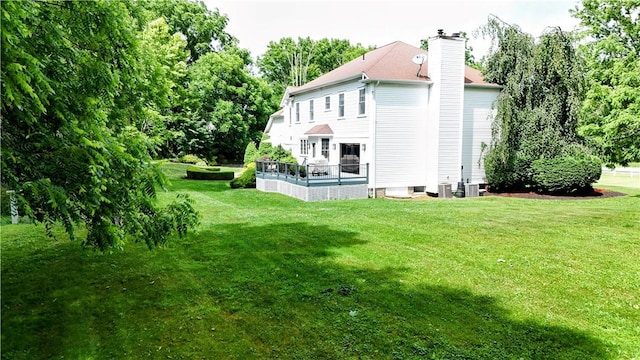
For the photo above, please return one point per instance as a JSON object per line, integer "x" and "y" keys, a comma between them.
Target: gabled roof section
{"x": 287, "y": 93}
{"x": 275, "y": 115}
{"x": 320, "y": 130}
{"x": 391, "y": 62}
{"x": 279, "y": 113}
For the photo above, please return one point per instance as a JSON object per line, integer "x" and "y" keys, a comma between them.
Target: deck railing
{"x": 313, "y": 174}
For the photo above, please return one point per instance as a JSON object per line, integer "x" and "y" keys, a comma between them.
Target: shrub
{"x": 247, "y": 179}
{"x": 208, "y": 173}
{"x": 500, "y": 172}
{"x": 566, "y": 174}
{"x": 250, "y": 153}
{"x": 278, "y": 153}
{"x": 288, "y": 159}
{"x": 204, "y": 167}
{"x": 192, "y": 159}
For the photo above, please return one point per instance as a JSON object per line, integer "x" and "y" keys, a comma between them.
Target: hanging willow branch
{"x": 537, "y": 117}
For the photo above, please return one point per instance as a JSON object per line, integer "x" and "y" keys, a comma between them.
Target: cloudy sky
{"x": 256, "y": 22}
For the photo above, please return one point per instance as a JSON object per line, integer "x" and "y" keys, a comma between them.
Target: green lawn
{"x": 268, "y": 276}
{"x": 619, "y": 180}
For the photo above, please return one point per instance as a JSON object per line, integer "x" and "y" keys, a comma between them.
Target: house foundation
{"x": 313, "y": 193}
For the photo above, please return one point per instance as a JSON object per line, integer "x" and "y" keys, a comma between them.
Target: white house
{"x": 416, "y": 117}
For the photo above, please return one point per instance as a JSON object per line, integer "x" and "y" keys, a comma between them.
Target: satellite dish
{"x": 419, "y": 59}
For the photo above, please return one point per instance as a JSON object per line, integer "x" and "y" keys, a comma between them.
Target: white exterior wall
{"x": 282, "y": 134}
{"x": 432, "y": 133}
{"x": 477, "y": 120}
{"x": 352, "y": 128}
{"x": 278, "y": 130}
{"x": 415, "y": 134}
{"x": 446, "y": 70}
{"x": 400, "y": 125}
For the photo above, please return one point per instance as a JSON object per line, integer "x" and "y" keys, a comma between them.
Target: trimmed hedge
{"x": 192, "y": 159}
{"x": 566, "y": 174}
{"x": 247, "y": 180}
{"x": 208, "y": 173}
{"x": 204, "y": 167}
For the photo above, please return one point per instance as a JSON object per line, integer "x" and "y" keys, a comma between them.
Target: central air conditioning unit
{"x": 444, "y": 191}
{"x": 471, "y": 190}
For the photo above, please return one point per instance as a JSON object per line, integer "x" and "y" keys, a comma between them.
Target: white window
{"x": 297, "y": 112}
{"x": 341, "y": 105}
{"x": 310, "y": 110}
{"x": 327, "y": 102}
{"x": 361, "y": 102}
{"x": 304, "y": 147}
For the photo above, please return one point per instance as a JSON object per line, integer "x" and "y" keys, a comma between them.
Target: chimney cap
{"x": 440, "y": 32}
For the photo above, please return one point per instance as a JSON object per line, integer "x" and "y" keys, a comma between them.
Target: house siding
{"x": 277, "y": 132}
{"x": 352, "y": 128}
{"x": 444, "y": 134}
{"x": 416, "y": 133}
{"x": 401, "y": 116}
{"x": 451, "y": 99}
{"x": 477, "y": 118}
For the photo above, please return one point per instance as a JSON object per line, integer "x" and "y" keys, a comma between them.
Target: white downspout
{"x": 375, "y": 139}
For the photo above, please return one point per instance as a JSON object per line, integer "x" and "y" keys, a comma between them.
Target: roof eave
{"x": 267, "y": 128}
{"x": 327, "y": 84}
{"x": 399, "y": 81}
{"x": 484, "y": 86}
{"x": 286, "y": 95}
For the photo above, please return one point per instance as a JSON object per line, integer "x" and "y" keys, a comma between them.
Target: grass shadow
{"x": 243, "y": 291}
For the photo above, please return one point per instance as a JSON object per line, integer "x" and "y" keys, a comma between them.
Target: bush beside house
{"x": 566, "y": 174}
{"x": 535, "y": 144}
{"x": 264, "y": 152}
{"x": 247, "y": 180}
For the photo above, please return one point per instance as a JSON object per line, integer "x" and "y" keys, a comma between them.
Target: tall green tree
{"x": 71, "y": 99}
{"x": 202, "y": 28}
{"x": 332, "y": 53}
{"x": 296, "y": 62}
{"x": 228, "y": 107}
{"x": 192, "y": 126}
{"x": 537, "y": 111}
{"x": 163, "y": 61}
{"x": 611, "y": 110}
